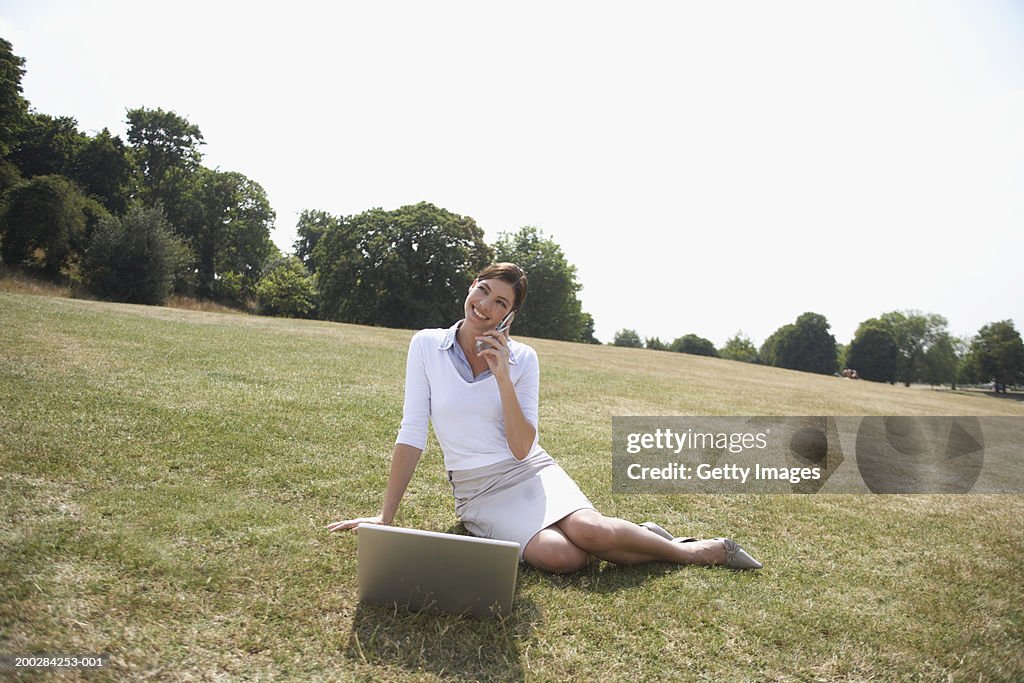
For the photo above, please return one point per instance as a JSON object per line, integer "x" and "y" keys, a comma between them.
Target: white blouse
{"x": 467, "y": 416}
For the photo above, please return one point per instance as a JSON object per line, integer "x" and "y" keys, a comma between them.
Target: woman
{"x": 480, "y": 389}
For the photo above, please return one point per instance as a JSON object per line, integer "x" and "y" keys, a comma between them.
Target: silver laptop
{"x": 430, "y": 570}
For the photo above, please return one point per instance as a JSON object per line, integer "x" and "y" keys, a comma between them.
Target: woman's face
{"x": 488, "y": 302}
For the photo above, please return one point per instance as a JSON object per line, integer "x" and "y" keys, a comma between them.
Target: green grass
{"x": 165, "y": 476}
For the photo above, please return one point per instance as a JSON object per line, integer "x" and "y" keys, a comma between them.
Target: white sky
{"x": 708, "y": 167}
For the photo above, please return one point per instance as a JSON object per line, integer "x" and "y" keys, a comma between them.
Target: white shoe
{"x": 738, "y": 558}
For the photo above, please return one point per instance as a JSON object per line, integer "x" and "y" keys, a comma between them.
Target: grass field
{"x": 166, "y": 475}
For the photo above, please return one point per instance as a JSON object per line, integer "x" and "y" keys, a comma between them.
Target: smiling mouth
{"x": 478, "y": 315}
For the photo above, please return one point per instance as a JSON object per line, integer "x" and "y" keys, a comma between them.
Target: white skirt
{"x": 513, "y": 499}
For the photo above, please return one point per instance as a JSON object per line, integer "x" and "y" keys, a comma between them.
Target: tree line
{"x": 131, "y": 220}
{"x": 412, "y": 267}
{"x": 898, "y": 346}
{"x": 139, "y": 219}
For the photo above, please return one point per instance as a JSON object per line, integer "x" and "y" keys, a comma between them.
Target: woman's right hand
{"x": 353, "y": 524}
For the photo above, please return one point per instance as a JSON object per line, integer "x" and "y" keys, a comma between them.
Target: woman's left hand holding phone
{"x": 496, "y": 352}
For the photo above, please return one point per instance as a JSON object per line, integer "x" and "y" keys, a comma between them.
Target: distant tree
{"x": 133, "y": 258}
{"x": 842, "y": 352}
{"x": 287, "y": 289}
{"x": 47, "y": 145}
{"x": 588, "y": 330}
{"x": 740, "y": 348}
{"x": 769, "y": 351}
{"x": 408, "y": 268}
{"x": 165, "y": 153}
{"x": 627, "y": 337}
{"x": 805, "y": 345}
{"x": 968, "y": 369}
{"x": 999, "y": 353}
{"x": 553, "y": 310}
{"x": 162, "y": 141}
{"x": 9, "y": 177}
{"x": 244, "y": 242}
{"x": 13, "y": 106}
{"x": 227, "y": 221}
{"x": 691, "y": 343}
{"x": 310, "y": 228}
{"x": 914, "y": 332}
{"x": 941, "y": 361}
{"x": 874, "y": 352}
{"x": 102, "y": 169}
{"x": 44, "y": 223}
{"x": 655, "y": 344}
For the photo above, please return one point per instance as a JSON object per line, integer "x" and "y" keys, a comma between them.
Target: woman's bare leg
{"x": 551, "y": 551}
{"x": 622, "y": 542}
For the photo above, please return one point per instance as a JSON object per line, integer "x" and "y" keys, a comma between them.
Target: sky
{"x": 709, "y": 168}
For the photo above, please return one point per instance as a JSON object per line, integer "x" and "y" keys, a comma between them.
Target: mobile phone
{"x": 505, "y": 323}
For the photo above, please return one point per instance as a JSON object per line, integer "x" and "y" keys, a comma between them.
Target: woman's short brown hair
{"x": 510, "y": 273}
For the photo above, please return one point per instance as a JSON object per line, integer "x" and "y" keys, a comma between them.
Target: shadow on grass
{"x": 449, "y": 646}
{"x": 597, "y": 577}
{"x": 1009, "y": 396}
{"x": 603, "y": 577}
{"x": 446, "y": 645}
{"x": 478, "y": 648}
{"x": 1012, "y": 395}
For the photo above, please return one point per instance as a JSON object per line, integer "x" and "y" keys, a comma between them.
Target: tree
{"x": 13, "y": 107}
{"x": 47, "y": 145}
{"x": 769, "y": 351}
{"x": 693, "y": 344}
{"x": 227, "y": 221}
{"x": 165, "y": 153}
{"x": 740, "y": 348}
{"x": 999, "y": 353}
{"x": 133, "y": 258}
{"x": 102, "y": 169}
{"x": 286, "y": 289}
{"x": 805, "y": 345}
{"x": 587, "y": 337}
{"x": 311, "y": 227}
{"x": 9, "y": 177}
{"x": 842, "y": 353}
{"x": 627, "y": 337}
{"x": 941, "y": 361}
{"x": 553, "y": 310}
{"x": 44, "y": 223}
{"x": 244, "y": 243}
{"x": 655, "y": 344}
{"x": 411, "y": 267}
{"x": 874, "y": 353}
{"x": 914, "y": 333}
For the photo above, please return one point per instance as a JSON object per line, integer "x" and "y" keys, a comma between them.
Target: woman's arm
{"x": 403, "y": 463}
{"x": 519, "y": 433}
{"x": 412, "y": 439}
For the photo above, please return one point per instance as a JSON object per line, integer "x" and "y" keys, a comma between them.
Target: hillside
{"x": 166, "y": 475}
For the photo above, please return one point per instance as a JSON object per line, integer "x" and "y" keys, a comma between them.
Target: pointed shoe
{"x": 738, "y": 558}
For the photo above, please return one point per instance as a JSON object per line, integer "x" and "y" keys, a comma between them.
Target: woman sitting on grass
{"x": 481, "y": 389}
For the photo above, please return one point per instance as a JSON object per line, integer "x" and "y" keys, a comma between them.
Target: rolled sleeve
{"x": 416, "y": 408}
